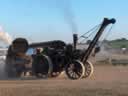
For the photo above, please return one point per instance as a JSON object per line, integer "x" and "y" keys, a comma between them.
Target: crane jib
{"x": 104, "y": 24}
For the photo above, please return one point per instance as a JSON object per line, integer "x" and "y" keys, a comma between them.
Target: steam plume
{"x": 4, "y": 36}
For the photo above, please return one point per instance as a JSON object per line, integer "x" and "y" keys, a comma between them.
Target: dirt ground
{"x": 106, "y": 81}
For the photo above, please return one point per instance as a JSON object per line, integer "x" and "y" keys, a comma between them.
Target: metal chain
{"x": 91, "y": 31}
{"x": 96, "y": 27}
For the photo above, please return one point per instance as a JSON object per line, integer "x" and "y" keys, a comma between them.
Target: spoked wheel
{"x": 88, "y": 69}
{"x": 43, "y": 66}
{"x": 75, "y": 70}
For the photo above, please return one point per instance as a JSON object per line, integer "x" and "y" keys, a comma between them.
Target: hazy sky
{"x": 41, "y": 20}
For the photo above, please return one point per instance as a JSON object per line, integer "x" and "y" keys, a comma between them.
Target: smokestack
{"x": 75, "y": 39}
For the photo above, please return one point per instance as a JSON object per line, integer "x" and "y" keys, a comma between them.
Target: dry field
{"x": 106, "y": 81}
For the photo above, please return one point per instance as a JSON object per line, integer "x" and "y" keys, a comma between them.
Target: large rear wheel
{"x": 42, "y": 66}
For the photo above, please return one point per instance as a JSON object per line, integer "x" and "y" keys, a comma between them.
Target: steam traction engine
{"x": 56, "y": 56}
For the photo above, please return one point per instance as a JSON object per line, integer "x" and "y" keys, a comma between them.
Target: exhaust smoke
{"x": 66, "y": 8}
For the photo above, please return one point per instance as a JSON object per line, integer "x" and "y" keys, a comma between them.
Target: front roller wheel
{"x": 75, "y": 70}
{"x": 89, "y": 69}
{"x": 15, "y": 66}
{"x": 9, "y": 68}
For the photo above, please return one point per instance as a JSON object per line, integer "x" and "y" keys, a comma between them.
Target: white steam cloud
{"x": 4, "y": 36}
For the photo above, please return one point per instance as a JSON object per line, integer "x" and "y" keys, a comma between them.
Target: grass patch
{"x": 119, "y": 43}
